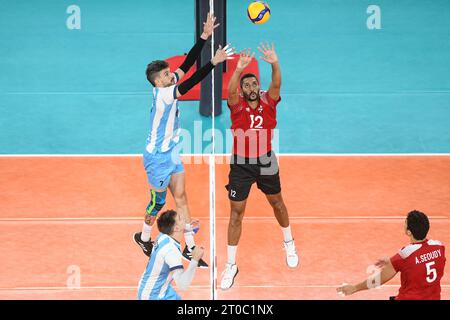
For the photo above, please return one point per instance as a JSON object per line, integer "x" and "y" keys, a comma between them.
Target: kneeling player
{"x": 421, "y": 265}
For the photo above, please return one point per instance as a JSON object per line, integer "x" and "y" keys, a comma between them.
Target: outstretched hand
{"x": 209, "y": 26}
{"x": 244, "y": 59}
{"x": 268, "y": 53}
{"x": 382, "y": 262}
{"x": 346, "y": 289}
{"x": 222, "y": 54}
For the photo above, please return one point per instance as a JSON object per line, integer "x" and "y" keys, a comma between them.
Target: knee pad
{"x": 157, "y": 202}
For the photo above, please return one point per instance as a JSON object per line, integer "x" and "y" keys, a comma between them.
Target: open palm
{"x": 222, "y": 54}
{"x": 209, "y": 26}
{"x": 245, "y": 58}
{"x": 268, "y": 53}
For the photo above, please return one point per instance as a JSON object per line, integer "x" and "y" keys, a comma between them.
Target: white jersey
{"x": 164, "y": 119}
{"x": 157, "y": 277}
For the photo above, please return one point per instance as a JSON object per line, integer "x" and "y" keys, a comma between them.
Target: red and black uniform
{"x": 421, "y": 266}
{"x": 253, "y": 159}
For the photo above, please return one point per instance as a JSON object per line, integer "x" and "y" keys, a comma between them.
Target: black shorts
{"x": 244, "y": 172}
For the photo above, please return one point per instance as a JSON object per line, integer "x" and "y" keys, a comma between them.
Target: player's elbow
{"x": 180, "y": 91}
{"x": 182, "y": 286}
{"x": 232, "y": 100}
{"x": 181, "y": 282}
{"x": 233, "y": 90}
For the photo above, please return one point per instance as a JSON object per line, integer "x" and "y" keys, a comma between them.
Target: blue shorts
{"x": 160, "y": 166}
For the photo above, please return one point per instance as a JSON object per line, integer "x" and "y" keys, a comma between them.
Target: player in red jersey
{"x": 253, "y": 117}
{"x": 421, "y": 265}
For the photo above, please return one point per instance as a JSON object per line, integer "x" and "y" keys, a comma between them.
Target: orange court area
{"x": 60, "y": 214}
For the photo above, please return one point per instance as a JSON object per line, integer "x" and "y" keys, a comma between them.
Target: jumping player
{"x": 165, "y": 263}
{"x": 253, "y": 116}
{"x": 161, "y": 156}
{"x": 421, "y": 265}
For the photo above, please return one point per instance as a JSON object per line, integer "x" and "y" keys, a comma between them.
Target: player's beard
{"x": 253, "y": 96}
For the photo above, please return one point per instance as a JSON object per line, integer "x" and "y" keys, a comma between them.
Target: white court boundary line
{"x": 111, "y": 155}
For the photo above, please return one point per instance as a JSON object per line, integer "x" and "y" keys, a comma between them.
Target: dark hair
{"x": 248, "y": 75}
{"x": 154, "y": 68}
{"x": 166, "y": 221}
{"x": 417, "y": 222}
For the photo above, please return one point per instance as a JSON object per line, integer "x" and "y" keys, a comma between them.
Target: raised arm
{"x": 270, "y": 56}
{"x": 386, "y": 274}
{"x": 194, "y": 53}
{"x": 221, "y": 55}
{"x": 244, "y": 60}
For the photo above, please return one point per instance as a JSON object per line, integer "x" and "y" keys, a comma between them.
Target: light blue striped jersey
{"x": 157, "y": 277}
{"x": 164, "y": 120}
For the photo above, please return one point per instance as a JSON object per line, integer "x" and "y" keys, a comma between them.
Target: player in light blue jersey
{"x": 161, "y": 158}
{"x": 165, "y": 263}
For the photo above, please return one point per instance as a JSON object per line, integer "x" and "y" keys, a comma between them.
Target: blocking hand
{"x": 209, "y": 26}
{"x": 222, "y": 54}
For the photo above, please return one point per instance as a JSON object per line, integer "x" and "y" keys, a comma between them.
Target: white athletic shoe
{"x": 291, "y": 254}
{"x": 228, "y": 275}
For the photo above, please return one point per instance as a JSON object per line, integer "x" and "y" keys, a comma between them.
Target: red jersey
{"x": 253, "y": 129}
{"x": 421, "y": 266}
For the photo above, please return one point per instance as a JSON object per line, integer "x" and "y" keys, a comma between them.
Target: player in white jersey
{"x": 165, "y": 264}
{"x": 161, "y": 159}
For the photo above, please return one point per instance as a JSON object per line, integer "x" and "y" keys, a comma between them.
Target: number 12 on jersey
{"x": 257, "y": 119}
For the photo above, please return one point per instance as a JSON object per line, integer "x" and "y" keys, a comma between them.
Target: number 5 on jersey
{"x": 431, "y": 272}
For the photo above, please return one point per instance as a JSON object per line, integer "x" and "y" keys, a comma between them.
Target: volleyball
{"x": 258, "y": 12}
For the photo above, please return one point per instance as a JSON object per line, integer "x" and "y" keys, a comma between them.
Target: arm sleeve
{"x": 198, "y": 76}
{"x": 397, "y": 262}
{"x": 182, "y": 278}
{"x": 193, "y": 54}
